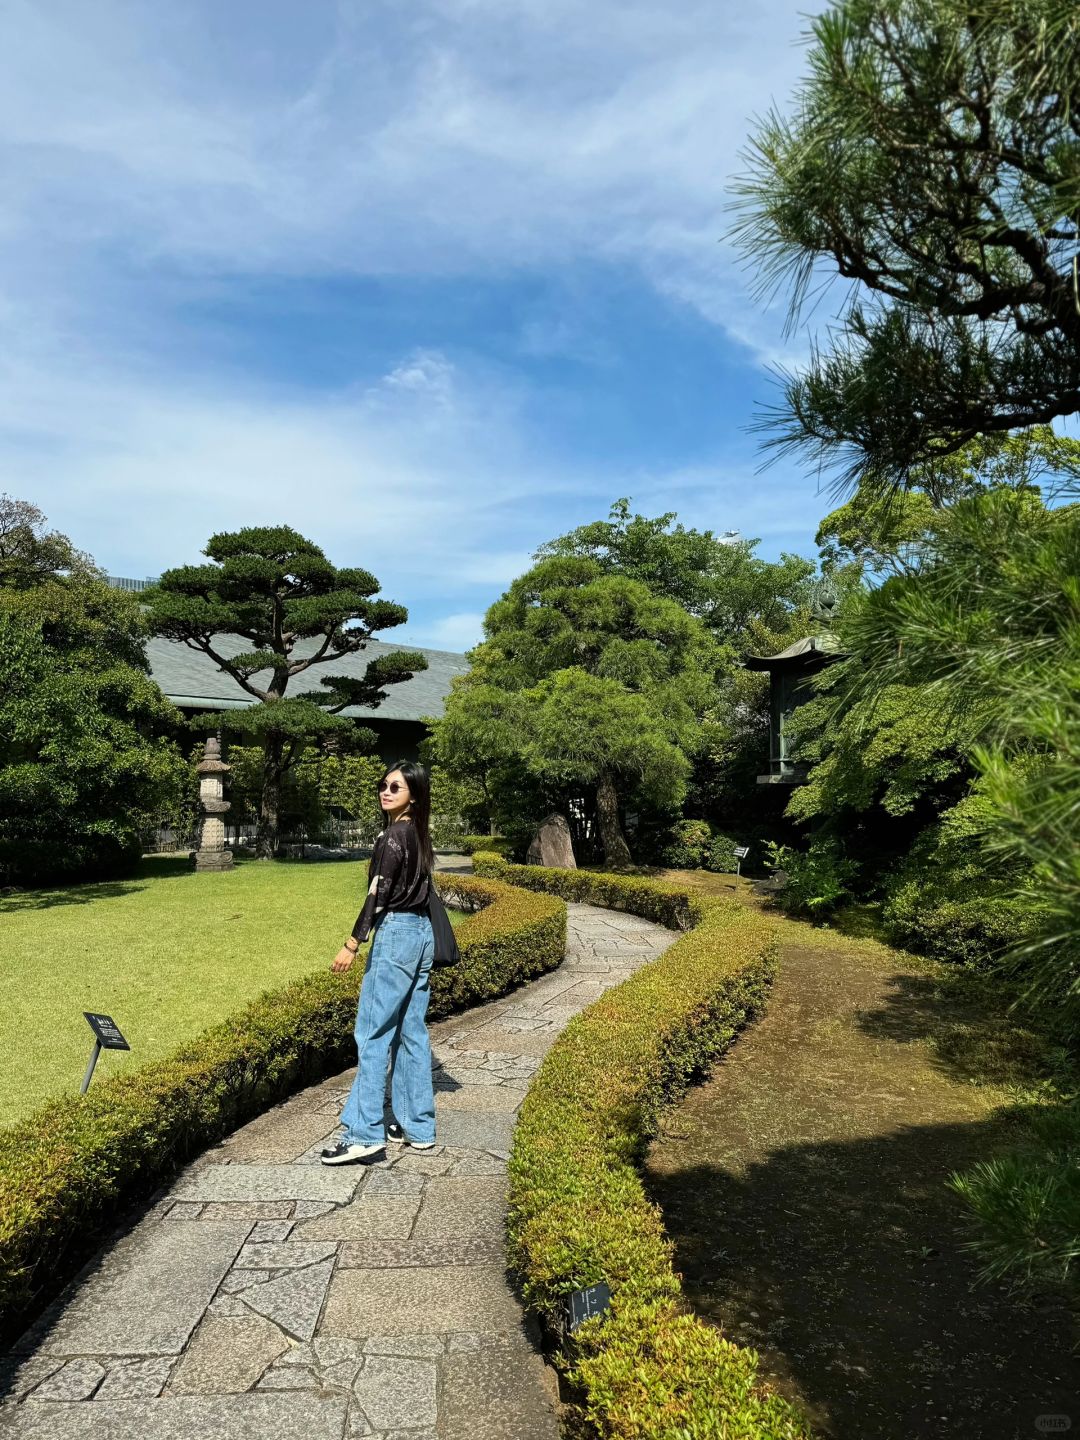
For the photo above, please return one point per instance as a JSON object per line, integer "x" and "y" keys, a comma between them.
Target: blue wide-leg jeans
{"x": 390, "y": 1024}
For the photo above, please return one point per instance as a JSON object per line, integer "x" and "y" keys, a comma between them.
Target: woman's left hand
{"x": 343, "y": 960}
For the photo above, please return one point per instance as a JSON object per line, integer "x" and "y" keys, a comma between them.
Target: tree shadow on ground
{"x": 842, "y": 1263}
{"x": 17, "y": 901}
{"x": 151, "y": 867}
{"x": 971, "y": 1036}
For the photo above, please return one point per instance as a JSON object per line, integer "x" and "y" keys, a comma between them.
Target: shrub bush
{"x": 818, "y": 879}
{"x": 688, "y": 845}
{"x": 945, "y": 900}
{"x": 648, "y": 1370}
{"x": 68, "y": 1168}
{"x": 651, "y": 899}
{"x": 720, "y": 855}
{"x": 697, "y": 845}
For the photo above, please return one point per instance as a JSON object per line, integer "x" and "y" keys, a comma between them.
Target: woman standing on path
{"x": 390, "y": 1018}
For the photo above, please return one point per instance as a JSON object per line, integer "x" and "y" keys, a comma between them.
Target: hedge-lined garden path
{"x": 266, "y": 1295}
{"x": 804, "y": 1187}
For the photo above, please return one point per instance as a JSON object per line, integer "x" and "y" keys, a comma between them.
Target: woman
{"x": 396, "y": 986}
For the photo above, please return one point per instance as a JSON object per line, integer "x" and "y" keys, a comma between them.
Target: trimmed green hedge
{"x": 667, "y": 905}
{"x": 649, "y": 1370}
{"x": 497, "y": 844}
{"x": 67, "y": 1169}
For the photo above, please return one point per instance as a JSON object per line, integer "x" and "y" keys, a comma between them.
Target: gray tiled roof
{"x": 191, "y": 679}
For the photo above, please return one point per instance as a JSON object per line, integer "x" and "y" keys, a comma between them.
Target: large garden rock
{"x": 551, "y": 845}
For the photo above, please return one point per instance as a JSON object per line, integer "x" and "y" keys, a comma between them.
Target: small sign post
{"x": 107, "y": 1036}
{"x": 741, "y": 852}
{"x": 584, "y": 1304}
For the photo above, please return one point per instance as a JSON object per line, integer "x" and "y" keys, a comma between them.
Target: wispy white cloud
{"x": 458, "y": 632}
{"x": 425, "y": 373}
{"x": 436, "y": 137}
{"x": 735, "y": 492}
{"x": 155, "y": 152}
{"x": 412, "y": 478}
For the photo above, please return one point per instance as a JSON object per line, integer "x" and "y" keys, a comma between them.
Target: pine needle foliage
{"x": 932, "y": 159}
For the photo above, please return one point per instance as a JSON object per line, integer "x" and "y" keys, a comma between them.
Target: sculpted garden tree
{"x": 585, "y": 681}
{"x": 933, "y": 159}
{"x": 278, "y": 592}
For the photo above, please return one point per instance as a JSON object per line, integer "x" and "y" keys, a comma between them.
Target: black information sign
{"x": 741, "y": 851}
{"x": 584, "y": 1304}
{"x": 107, "y": 1031}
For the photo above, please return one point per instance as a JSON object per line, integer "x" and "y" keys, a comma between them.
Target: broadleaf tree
{"x": 716, "y": 578}
{"x": 750, "y": 605}
{"x": 585, "y": 682}
{"x": 279, "y": 592}
{"x": 879, "y": 535}
{"x": 32, "y": 555}
{"x": 86, "y": 755}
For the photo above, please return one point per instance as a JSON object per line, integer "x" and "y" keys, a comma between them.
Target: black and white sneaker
{"x": 344, "y": 1154}
{"x": 396, "y": 1136}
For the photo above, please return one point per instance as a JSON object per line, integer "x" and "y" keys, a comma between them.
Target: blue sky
{"x": 430, "y": 281}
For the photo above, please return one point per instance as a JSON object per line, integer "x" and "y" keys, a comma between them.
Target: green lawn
{"x": 166, "y": 954}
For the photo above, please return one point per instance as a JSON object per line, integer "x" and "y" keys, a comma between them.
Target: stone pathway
{"x": 266, "y": 1295}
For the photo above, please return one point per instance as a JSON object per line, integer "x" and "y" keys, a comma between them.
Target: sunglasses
{"x": 393, "y": 787}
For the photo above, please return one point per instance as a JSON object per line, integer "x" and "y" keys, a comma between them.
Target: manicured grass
{"x": 166, "y": 954}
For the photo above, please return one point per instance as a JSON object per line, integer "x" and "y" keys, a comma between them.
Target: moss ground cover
{"x": 166, "y": 953}
{"x": 805, "y": 1187}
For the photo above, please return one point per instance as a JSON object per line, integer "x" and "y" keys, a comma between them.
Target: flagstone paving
{"x": 267, "y": 1295}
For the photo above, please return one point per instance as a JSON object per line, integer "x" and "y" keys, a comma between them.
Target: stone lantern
{"x": 211, "y": 853}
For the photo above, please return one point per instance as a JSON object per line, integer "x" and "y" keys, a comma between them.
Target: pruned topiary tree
{"x": 278, "y": 591}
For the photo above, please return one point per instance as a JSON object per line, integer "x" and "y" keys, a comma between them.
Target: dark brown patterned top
{"x": 397, "y": 878}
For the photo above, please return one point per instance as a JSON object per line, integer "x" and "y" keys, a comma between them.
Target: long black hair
{"x": 419, "y": 783}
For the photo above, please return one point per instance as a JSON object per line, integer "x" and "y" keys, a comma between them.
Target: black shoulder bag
{"x": 446, "y": 946}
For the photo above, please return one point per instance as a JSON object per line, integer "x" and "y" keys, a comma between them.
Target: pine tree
{"x": 280, "y": 593}
{"x": 932, "y": 159}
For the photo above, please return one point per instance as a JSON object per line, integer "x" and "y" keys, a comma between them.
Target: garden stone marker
{"x": 551, "y": 845}
{"x": 211, "y": 853}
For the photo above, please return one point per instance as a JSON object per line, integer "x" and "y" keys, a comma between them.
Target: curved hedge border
{"x": 650, "y": 1370}
{"x": 496, "y": 844}
{"x": 70, "y": 1166}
